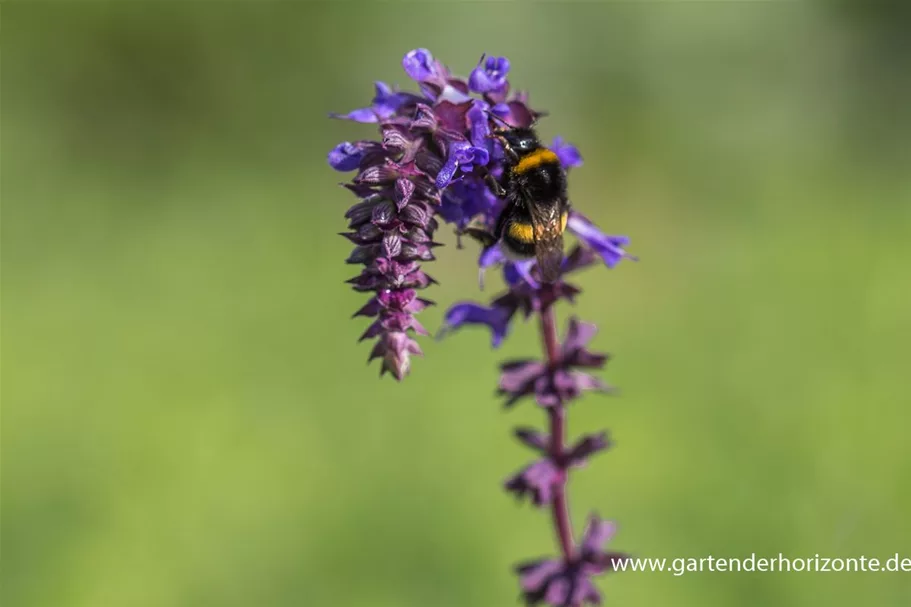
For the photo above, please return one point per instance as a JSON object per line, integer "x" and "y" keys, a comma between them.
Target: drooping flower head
{"x": 430, "y": 163}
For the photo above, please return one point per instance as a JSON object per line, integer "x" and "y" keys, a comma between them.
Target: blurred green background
{"x": 187, "y": 419}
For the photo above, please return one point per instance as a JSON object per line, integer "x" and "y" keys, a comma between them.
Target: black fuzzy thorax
{"x": 543, "y": 184}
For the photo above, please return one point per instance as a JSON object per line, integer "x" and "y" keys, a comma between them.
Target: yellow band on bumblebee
{"x": 535, "y": 159}
{"x": 523, "y": 232}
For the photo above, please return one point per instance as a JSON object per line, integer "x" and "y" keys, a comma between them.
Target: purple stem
{"x": 557, "y": 414}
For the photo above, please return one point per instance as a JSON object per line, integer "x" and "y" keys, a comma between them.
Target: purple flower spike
{"x": 490, "y": 75}
{"x": 610, "y": 248}
{"x": 432, "y": 161}
{"x": 419, "y": 65}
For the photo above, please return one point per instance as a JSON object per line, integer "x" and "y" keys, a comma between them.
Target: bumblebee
{"x": 534, "y": 186}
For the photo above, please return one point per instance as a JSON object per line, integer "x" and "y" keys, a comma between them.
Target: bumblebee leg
{"x": 477, "y": 230}
{"x": 494, "y": 186}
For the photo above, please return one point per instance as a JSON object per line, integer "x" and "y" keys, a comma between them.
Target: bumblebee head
{"x": 521, "y": 141}
{"x": 517, "y": 142}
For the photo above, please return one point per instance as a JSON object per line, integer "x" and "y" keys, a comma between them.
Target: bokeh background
{"x": 187, "y": 419}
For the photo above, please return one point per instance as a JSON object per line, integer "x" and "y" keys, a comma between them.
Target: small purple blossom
{"x": 540, "y": 480}
{"x": 524, "y": 292}
{"x": 490, "y": 75}
{"x": 609, "y": 248}
{"x": 479, "y": 125}
{"x": 419, "y": 65}
{"x": 496, "y": 318}
{"x": 560, "y": 381}
{"x": 567, "y": 153}
{"x": 386, "y": 102}
{"x": 462, "y": 155}
{"x": 464, "y": 200}
{"x": 568, "y": 583}
{"x": 347, "y": 156}
{"x": 491, "y": 256}
{"x": 515, "y": 113}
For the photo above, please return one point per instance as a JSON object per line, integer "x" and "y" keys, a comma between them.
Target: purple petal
{"x": 386, "y": 102}
{"x": 490, "y": 256}
{"x": 522, "y": 269}
{"x": 578, "y": 258}
{"x": 449, "y": 168}
{"x": 558, "y": 592}
{"x": 578, "y": 334}
{"x": 479, "y": 125}
{"x": 583, "y": 382}
{"x": 472, "y": 155}
{"x": 461, "y": 155}
{"x": 364, "y": 115}
{"x": 489, "y": 75}
{"x": 501, "y": 110}
{"x": 346, "y": 156}
{"x": 567, "y": 153}
{"x": 521, "y": 378}
{"x": 583, "y": 591}
{"x": 465, "y": 199}
{"x": 517, "y": 374}
{"x": 587, "y": 446}
{"x": 610, "y": 248}
{"x": 533, "y": 438}
{"x": 597, "y": 533}
{"x": 517, "y": 113}
{"x": 535, "y": 576}
{"x": 419, "y": 64}
{"x": 538, "y": 481}
{"x": 469, "y": 313}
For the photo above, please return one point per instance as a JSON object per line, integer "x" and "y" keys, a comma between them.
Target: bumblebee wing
{"x": 550, "y": 258}
{"x": 547, "y": 221}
